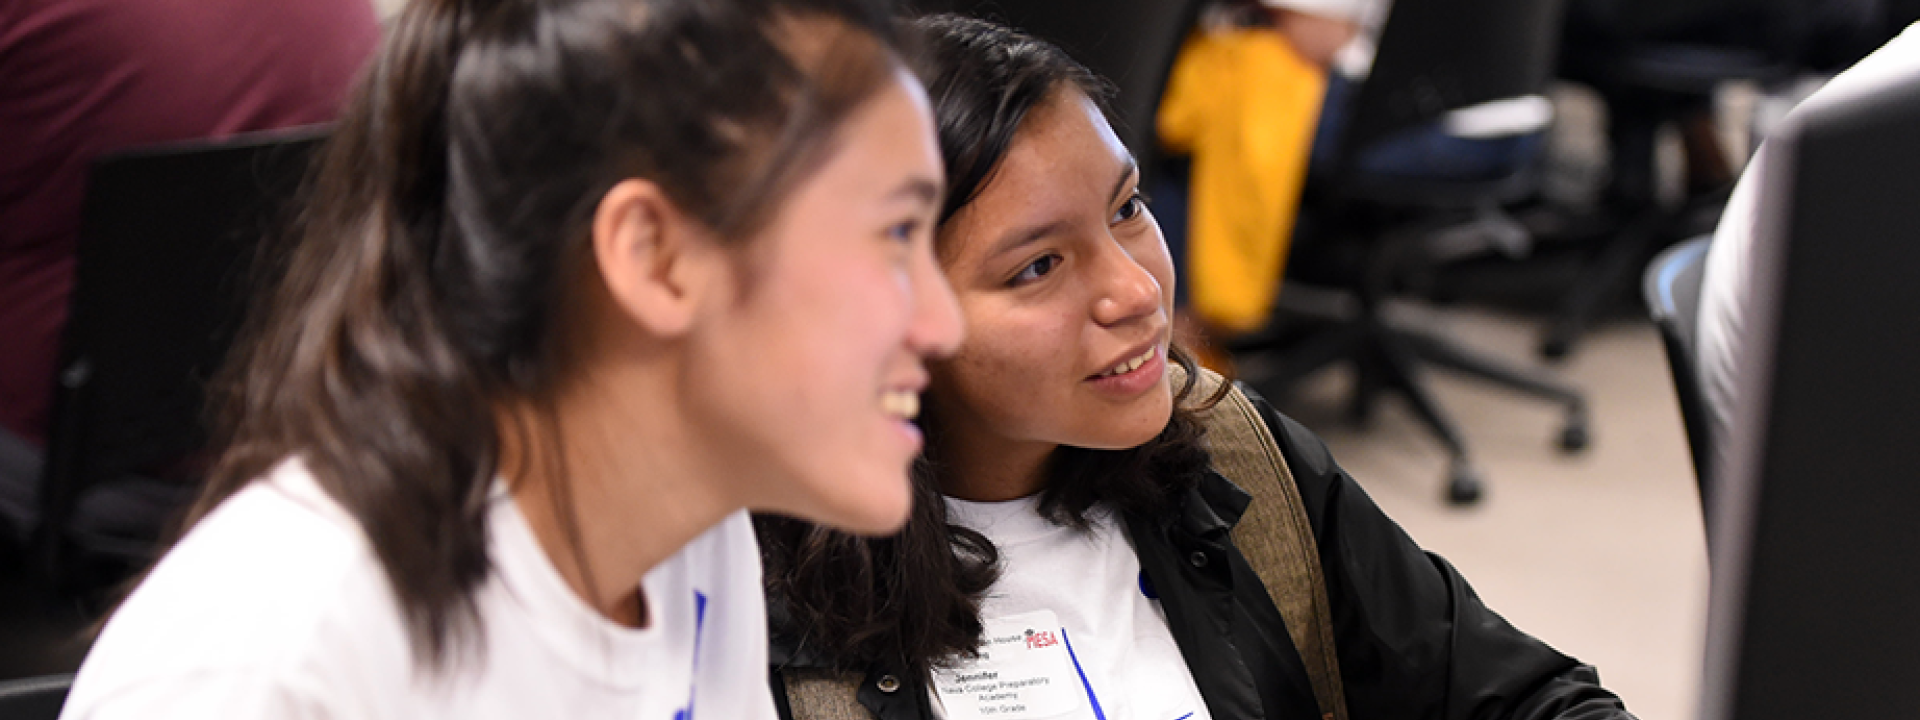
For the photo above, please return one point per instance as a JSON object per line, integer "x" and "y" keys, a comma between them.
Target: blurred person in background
{"x": 1258, "y": 98}
{"x": 83, "y": 78}
{"x": 1784, "y": 38}
{"x": 580, "y": 281}
{"x": 1822, "y": 35}
{"x": 1244, "y": 101}
{"x": 1733, "y": 272}
{"x": 1075, "y": 551}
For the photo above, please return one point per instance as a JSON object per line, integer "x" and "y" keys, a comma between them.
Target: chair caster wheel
{"x": 1463, "y": 487}
{"x": 1574, "y": 438}
{"x": 1360, "y": 415}
{"x": 1555, "y": 348}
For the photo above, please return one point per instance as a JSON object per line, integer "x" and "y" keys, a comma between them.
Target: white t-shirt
{"x": 1072, "y": 632}
{"x": 273, "y": 606}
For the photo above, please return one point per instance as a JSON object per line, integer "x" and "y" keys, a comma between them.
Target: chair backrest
{"x": 1131, "y": 43}
{"x": 34, "y": 698}
{"x": 1671, "y": 287}
{"x": 167, "y": 238}
{"x": 1436, "y": 56}
{"x": 1901, "y": 13}
{"x": 1656, "y": 19}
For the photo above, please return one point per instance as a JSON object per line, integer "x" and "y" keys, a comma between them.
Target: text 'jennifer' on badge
{"x": 1023, "y": 673}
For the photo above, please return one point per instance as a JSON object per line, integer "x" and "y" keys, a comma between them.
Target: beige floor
{"x": 1602, "y": 554}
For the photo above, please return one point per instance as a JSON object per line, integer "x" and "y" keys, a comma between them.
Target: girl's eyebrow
{"x": 1020, "y": 237}
{"x": 917, "y": 188}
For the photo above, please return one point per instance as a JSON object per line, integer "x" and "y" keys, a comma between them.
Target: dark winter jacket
{"x": 1413, "y": 639}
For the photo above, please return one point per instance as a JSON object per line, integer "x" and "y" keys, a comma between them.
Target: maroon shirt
{"x": 80, "y": 78}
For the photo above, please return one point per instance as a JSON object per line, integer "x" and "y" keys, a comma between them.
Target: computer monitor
{"x": 1815, "y": 603}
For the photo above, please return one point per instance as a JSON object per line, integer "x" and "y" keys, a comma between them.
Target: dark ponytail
{"x": 912, "y": 601}
{"x": 446, "y": 235}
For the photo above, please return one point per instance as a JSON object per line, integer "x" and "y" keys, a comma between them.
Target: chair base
{"x": 1392, "y": 358}
{"x": 1647, "y": 86}
{"x": 1616, "y": 267}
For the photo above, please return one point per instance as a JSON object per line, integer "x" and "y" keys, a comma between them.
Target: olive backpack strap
{"x": 1274, "y": 535}
{"x": 824, "y": 695}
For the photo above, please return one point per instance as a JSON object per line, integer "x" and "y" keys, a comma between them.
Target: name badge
{"x": 1024, "y": 672}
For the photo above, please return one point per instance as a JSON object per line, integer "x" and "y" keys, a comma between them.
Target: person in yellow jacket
{"x": 1243, "y": 100}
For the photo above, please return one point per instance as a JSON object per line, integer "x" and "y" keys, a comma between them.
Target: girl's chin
{"x": 1128, "y": 436}
{"x": 873, "y": 521}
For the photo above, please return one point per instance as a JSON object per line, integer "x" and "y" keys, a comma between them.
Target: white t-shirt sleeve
{"x": 1723, "y": 340}
{"x": 274, "y": 606}
{"x": 220, "y": 628}
{"x": 238, "y": 695}
{"x": 1720, "y": 333}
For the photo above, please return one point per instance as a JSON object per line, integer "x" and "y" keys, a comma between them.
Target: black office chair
{"x": 1651, "y": 74}
{"x": 1902, "y": 13}
{"x": 1672, "y": 290}
{"x": 35, "y": 698}
{"x": 167, "y": 238}
{"x": 1434, "y": 57}
{"x": 1129, "y": 42}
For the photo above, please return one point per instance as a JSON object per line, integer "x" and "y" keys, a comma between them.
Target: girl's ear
{"x": 657, "y": 262}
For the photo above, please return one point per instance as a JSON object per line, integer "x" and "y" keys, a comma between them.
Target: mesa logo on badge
{"x": 1023, "y": 673}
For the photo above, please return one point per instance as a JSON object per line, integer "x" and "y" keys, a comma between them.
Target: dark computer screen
{"x": 1815, "y": 609}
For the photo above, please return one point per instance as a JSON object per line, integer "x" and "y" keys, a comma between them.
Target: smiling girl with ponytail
{"x": 578, "y": 283}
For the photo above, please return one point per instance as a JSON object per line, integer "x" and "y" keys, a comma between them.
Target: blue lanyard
{"x": 699, "y": 626}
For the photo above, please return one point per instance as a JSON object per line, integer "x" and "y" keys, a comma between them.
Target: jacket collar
{"x": 1212, "y": 506}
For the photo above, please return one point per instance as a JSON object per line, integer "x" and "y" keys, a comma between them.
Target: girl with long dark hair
{"x": 580, "y": 282}
{"x": 1078, "y": 549}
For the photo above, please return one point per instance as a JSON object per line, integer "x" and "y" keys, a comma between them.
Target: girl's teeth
{"x": 1131, "y": 365}
{"x": 905, "y": 405}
